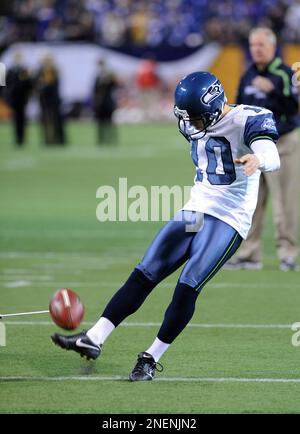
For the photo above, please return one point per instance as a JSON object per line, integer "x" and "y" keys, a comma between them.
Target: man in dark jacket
{"x": 105, "y": 104}
{"x": 47, "y": 86}
{"x": 268, "y": 83}
{"x": 16, "y": 94}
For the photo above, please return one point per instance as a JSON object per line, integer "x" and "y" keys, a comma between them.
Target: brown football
{"x": 66, "y": 309}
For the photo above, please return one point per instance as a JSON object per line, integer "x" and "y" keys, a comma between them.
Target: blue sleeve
{"x": 260, "y": 127}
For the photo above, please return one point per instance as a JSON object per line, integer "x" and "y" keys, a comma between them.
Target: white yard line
{"x": 165, "y": 379}
{"x": 37, "y": 277}
{"x": 57, "y": 255}
{"x": 17, "y": 284}
{"x": 8, "y": 282}
{"x": 156, "y": 324}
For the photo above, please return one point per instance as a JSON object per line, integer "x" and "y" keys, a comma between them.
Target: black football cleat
{"x": 145, "y": 368}
{"x": 80, "y": 343}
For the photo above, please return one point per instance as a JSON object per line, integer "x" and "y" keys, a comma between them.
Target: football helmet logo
{"x": 212, "y": 93}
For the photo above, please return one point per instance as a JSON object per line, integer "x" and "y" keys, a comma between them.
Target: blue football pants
{"x": 201, "y": 241}
{"x": 204, "y": 242}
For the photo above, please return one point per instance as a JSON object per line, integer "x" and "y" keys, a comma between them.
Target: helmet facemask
{"x": 185, "y": 122}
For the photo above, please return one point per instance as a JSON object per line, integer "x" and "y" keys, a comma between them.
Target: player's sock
{"x": 100, "y": 331}
{"x": 129, "y": 297}
{"x": 157, "y": 349}
{"x": 178, "y": 313}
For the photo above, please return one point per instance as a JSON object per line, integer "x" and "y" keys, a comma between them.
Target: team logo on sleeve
{"x": 268, "y": 124}
{"x": 212, "y": 93}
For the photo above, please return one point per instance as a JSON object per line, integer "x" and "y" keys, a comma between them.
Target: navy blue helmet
{"x": 198, "y": 96}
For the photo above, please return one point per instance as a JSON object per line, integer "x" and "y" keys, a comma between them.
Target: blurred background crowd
{"x": 118, "y": 60}
{"x": 129, "y": 24}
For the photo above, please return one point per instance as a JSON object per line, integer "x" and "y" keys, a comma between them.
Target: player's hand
{"x": 250, "y": 162}
{"x": 263, "y": 84}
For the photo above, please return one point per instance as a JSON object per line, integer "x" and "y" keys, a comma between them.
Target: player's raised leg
{"x": 168, "y": 251}
{"x": 211, "y": 247}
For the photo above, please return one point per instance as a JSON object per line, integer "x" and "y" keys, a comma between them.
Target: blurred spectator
{"x": 268, "y": 83}
{"x": 55, "y": 31}
{"x": 292, "y": 22}
{"x": 113, "y": 29}
{"x": 105, "y": 104}
{"x": 16, "y": 94}
{"x": 117, "y": 23}
{"x": 47, "y": 86}
{"x": 148, "y": 83}
{"x": 138, "y": 24}
{"x": 276, "y": 16}
{"x": 79, "y": 25}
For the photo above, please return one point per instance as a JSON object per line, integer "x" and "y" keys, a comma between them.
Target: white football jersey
{"x": 221, "y": 189}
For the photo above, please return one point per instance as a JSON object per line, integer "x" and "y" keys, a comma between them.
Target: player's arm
{"x": 260, "y": 136}
{"x": 264, "y": 158}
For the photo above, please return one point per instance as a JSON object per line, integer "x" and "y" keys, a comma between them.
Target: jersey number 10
{"x": 220, "y": 167}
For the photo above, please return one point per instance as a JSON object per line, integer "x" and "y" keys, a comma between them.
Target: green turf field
{"x": 236, "y": 356}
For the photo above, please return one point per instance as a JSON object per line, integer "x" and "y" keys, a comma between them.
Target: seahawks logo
{"x": 268, "y": 124}
{"x": 212, "y": 93}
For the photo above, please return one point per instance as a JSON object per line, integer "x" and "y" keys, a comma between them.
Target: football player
{"x": 230, "y": 146}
